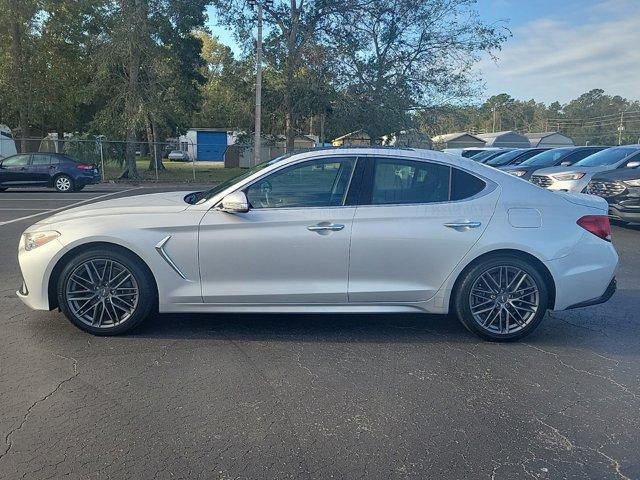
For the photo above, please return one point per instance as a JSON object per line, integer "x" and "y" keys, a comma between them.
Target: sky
{"x": 559, "y": 48}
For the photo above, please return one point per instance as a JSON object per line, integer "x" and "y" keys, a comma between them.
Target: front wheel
{"x": 105, "y": 292}
{"x": 502, "y": 298}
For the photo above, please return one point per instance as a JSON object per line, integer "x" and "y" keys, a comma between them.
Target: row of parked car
{"x": 608, "y": 172}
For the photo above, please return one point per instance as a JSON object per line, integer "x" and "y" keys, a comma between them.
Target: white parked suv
{"x": 576, "y": 177}
{"x": 340, "y": 230}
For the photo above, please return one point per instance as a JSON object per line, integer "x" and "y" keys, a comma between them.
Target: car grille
{"x": 605, "y": 189}
{"x": 541, "y": 180}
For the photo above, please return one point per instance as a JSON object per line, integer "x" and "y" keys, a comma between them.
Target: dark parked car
{"x": 47, "y": 169}
{"x": 621, "y": 189}
{"x": 555, "y": 157}
{"x": 514, "y": 157}
{"x": 483, "y": 157}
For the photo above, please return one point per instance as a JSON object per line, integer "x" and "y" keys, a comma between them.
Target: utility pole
{"x": 621, "y": 128}
{"x": 258, "y": 114}
{"x": 494, "y": 109}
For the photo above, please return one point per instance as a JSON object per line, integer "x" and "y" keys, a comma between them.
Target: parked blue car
{"x": 47, "y": 169}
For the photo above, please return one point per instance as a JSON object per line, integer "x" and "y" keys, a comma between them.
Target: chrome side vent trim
{"x": 161, "y": 251}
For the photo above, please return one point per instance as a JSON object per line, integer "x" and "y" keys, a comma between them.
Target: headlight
{"x": 517, "y": 173}
{"x": 37, "y": 239}
{"x": 633, "y": 183}
{"x": 569, "y": 176}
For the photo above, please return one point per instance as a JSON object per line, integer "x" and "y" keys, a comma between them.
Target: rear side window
{"x": 464, "y": 185}
{"x": 399, "y": 181}
{"x": 402, "y": 181}
{"x": 41, "y": 160}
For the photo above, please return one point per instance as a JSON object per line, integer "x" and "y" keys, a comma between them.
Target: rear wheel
{"x": 502, "y": 298}
{"x": 105, "y": 292}
{"x": 63, "y": 183}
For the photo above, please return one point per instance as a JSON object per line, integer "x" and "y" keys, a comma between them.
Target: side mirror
{"x": 235, "y": 202}
{"x": 565, "y": 164}
{"x": 634, "y": 164}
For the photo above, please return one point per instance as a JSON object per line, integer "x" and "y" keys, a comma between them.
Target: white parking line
{"x": 67, "y": 206}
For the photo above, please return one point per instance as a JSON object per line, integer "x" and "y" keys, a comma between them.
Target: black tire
{"x": 144, "y": 282}
{"x": 462, "y": 298}
{"x": 63, "y": 183}
{"x": 2, "y": 189}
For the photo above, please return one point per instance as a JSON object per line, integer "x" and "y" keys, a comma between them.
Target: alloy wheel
{"x": 102, "y": 293}
{"x": 504, "y": 299}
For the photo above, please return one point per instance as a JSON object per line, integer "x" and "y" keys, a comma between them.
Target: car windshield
{"x": 199, "y": 197}
{"x": 606, "y": 157}
{"x": 545, "y": 159}
{"x": 504, "y": 158}
{"x": 487, "y": 154}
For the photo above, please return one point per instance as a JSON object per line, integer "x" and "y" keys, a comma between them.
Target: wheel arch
{"x": 62, "y": 261}
{"x": 528, "y": 257}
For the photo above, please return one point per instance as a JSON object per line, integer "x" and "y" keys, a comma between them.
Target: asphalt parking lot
{"x": 309, "y": 396}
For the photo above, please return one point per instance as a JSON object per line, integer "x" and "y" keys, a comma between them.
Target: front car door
{"x": 292, "y": 246}
{"x": 15, "y": 170}
{"x": 415, "y": 221}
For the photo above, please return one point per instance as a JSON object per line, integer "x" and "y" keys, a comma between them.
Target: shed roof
{"x": 447, "y": 137}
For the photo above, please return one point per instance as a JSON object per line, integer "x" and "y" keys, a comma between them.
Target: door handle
{"x": 461, "y": 226}
{"x": 325, "y": 227}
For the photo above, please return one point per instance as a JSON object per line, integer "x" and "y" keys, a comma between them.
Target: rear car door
{"x": 40, "y": 167}
{"x": 292, "y": 246}
{"x": 415, "y": 221}
{"x": 15, "y": 170}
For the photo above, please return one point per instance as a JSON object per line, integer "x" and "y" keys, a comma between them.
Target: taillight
{"x": 599, "y": 225}
{"x": 85, "y": 166}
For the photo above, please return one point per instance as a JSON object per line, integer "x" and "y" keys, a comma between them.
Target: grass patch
{"x": 176, "y": 172}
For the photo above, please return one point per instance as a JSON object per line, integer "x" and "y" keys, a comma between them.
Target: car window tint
{"x": 526, "y": 156}
{"x": 16, "y": 161}
{"x": 464, "y": 185}
{"x": 317, "y": 183}
{"x": 404, "y": 181}
{"x": 41, "y": 160}
{"x": 577, "y": 156}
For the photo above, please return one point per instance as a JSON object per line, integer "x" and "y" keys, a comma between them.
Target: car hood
{"x": 165, "y": 202}
{"x": 572, "y": 169}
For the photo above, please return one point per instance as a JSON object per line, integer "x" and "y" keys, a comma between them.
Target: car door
{"x": 292, "y": 246}
{"x": 40, "y": 167}
{"x": 14, "y": 170}
{"x": 415, "y": 221}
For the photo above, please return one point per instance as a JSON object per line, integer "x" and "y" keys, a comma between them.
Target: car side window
{"x": 464, "y": 185}
{"x": 633, "y": 159}
{"x": 16, "y": 161}
{"x": 577, "y": 156}
{"x": 399, "y": 181}
{"x": 41, "y": 160}
{"x": 316, "y": 183}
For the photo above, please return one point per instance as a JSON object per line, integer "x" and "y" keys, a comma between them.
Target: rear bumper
{"x": 585, "y": 274}
{"x": 605, "y": 297}
{"x": 88, "y": 179}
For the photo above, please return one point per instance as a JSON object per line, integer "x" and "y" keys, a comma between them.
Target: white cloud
{"x": 557, "y": 60}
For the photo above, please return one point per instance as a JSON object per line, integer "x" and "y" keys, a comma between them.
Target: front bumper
{"x": 36, "y": 267}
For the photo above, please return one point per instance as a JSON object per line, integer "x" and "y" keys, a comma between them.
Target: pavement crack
{"x": 8, "y": 438}
{"x": 622, "y": 387}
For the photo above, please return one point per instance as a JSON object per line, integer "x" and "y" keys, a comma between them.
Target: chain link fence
{"x": 177, "y": 162}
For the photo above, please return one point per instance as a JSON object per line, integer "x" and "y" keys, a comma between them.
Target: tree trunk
{"x": 289, "y": 115}
{"x": 132, "y": 104}
{"x": 156, "y": 150}
{"x": 18, "y": 68}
